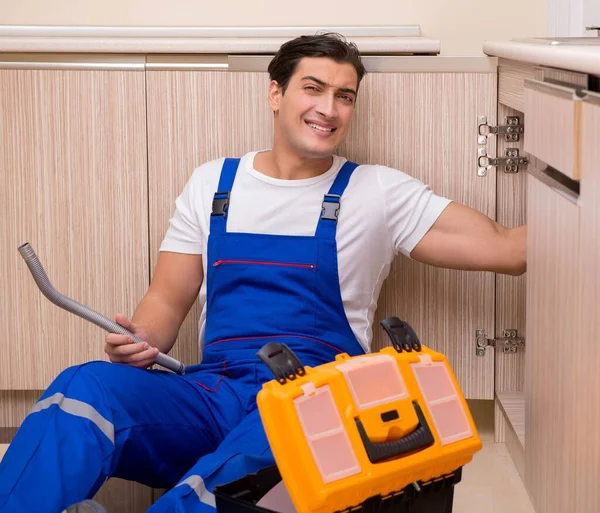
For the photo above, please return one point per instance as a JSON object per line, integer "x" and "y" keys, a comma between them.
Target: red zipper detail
{"x": 210, "y": 389}
{"x": 256, "y": 262}
{"x": 274, "y": 336}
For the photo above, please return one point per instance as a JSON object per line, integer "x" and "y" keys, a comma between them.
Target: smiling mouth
{"x": 320, "y": 128}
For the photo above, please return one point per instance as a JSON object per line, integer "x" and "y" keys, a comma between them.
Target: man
{"x": 280, "y": 264}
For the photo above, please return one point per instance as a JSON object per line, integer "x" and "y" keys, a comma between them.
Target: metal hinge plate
{"x": 510, "y": 163}
{"x": 510, "y": 342}
{"x": 511, "y": 130}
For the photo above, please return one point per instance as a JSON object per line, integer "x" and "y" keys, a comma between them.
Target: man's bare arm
{"x": 159, "y": 315}
{"x": 173, "y": 290}
{"x": 463, "y": 238}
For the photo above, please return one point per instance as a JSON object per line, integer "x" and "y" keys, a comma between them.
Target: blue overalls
{"x": 194, "y": 432}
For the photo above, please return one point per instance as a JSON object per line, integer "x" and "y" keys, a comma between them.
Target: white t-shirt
{"x": 383, "y": 212}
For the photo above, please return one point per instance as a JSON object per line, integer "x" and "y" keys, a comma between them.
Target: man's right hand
{"x": 122, "y": 349}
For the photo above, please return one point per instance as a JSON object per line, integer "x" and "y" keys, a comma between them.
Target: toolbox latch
{"x": 282, "y": 361}
{"x": 401, "y": 334}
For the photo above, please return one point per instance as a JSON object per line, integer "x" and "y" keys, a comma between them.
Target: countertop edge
{"x": 379, "y": 39}
{"x": 585, "y": 59}
{"x": 153, "y": 31}
{"x": 146, "y": 45}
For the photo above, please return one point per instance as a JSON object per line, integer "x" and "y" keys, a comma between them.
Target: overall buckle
{"x": 330, "y": 207}
{"x": 220, "y": 204}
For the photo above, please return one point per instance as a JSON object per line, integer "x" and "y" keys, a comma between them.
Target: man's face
{"x": 314, "y": 114}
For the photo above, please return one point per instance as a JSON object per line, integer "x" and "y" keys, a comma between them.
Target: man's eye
{"x": 312, "y": 88}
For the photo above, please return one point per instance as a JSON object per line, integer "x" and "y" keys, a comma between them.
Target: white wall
{"x": 461, "y": 25}
{"x": 568, "y": 18}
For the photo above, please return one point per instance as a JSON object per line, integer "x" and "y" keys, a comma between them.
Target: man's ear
{"x": 275, "y": 95}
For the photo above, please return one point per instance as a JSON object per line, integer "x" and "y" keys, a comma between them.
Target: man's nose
{"x": 327, "y": 107}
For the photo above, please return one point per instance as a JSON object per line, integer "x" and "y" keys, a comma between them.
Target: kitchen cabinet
{"x": 74, "y": 185}
{"x": 510, "y": 293}
{"x": 95, "y": 159}
{"x": 74, "y": 174}
{"x": 403, "y": 121}
{"x": 553, "y": 305}
{"x": 587, "y": 391}
{"x": 546, "y": 398}
{"x": 195, "y": 117}
{"x": 93, "y": 156}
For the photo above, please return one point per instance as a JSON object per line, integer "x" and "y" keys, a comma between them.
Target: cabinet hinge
{"x": 510, "y": 163}
{"x": 509, "y": 342}
{"x": 511, "y": 130}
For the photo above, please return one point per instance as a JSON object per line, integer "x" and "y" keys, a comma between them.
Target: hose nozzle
{"x": 66, "y": 303}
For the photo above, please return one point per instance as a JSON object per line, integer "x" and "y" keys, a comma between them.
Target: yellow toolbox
{"x": 364, "y": 426}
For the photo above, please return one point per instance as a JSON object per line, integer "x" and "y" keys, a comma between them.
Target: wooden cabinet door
{"x": 74, "y": 185}
{"x": 425, "y": 124}
{"x": 587, "y": 393}
{"x": 73, "y": 170}
{"x": 422, "y": 123}
{"x": 194, "y": 117}
{"x": 553, "y": 301}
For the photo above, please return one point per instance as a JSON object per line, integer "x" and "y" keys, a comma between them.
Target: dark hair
{"x": 330, "y": 44}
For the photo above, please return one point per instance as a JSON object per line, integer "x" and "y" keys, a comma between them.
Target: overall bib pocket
{"x": 276, "y": 295}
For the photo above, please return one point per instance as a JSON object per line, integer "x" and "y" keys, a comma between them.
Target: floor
{"x": 490, "y": 483}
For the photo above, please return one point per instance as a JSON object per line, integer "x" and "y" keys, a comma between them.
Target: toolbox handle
{"x": 419, "y": 439}
{"x": 282, "y": 361}
{"x": 401, "y": 334}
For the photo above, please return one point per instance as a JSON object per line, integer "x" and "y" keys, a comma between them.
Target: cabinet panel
{"x": 425, "y": 124}
{"x": 73, "y": 170}
{"x": 553, "y": 126}
{"x": 511, "y": 76}
{"x": 121, "y": 496}
{"x": 422, "y": 123}
{"x": 510, "y": 290}
{"x": 194, "y": 117}
{"x": 587, "y": 450}
{"x": 552, "y": 337}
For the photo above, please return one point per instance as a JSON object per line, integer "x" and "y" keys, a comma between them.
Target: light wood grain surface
{"x": 513, "y": 406}
{"x": 562, "y": 75}
{"x": 511, "y": 76}
{"x": 422, "y": 123}
{"x": 587, "y": 415}
{"x": 73, "y": 170}
{"x": 194, "y": 117}
{"x": 15, "y": 405}
{"x": 516, "y": 450}
{"x": 121, "y": 496}
{"x": 500, "y": 424}
{"x": 510, "y": 290}
{"x": 510, "y": 417}
{"x": 553, "y": 127}
{"x": 425, "y": 125}
{"x": 553, "y": 302}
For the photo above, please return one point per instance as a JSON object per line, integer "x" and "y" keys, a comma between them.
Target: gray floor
{"x": 491, "y": 483}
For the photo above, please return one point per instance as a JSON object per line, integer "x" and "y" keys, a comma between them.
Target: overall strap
{"x": 220, "y": 206}
{"x": 331, "y": 202}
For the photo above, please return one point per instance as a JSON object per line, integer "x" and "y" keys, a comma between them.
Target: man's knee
{"x": 85, "y": 374}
